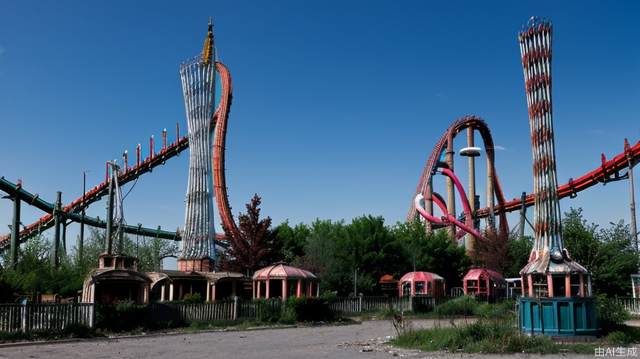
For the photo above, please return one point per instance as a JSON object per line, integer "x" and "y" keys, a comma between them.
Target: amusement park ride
{"x": 553, "y": 284}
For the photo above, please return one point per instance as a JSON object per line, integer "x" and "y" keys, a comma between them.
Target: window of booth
{"x": 406, "y": 289}
{"x": 419, "y": 287}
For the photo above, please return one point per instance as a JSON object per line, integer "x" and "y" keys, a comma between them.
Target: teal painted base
{"x": 558, "y": 316}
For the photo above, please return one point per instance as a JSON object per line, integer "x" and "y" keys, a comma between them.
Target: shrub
{"x": 611, "y": 314}
{"x": 310, "y": 309}
{"x": 192, "y": 298}
{"x": 460, "y": 306}
{"x": 123, "y": 316}
{"x": 267, "y": 310}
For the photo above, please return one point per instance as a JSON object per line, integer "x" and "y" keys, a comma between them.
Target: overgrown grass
{"x": 71, "y": 331}
{"x": 493, "y": 332}
{"x": 484, "y": 336}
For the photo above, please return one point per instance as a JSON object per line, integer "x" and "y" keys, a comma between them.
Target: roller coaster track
{"x": 141, "y": 167}
{"x": 433, "y": 163}
{"x": 601, "y": 174}
{"x": 609, "y": 170}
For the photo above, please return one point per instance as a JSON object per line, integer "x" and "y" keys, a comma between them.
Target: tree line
{"x": 345, "y": 256}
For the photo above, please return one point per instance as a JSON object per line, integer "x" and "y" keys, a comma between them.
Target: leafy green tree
{"x": 607, "y": 253}
{"x": 288, "y": 242}
{"x": 435, "y": 252}
{"x": 519, "y": 250}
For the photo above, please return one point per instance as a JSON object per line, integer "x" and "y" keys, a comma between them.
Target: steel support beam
{"x": 451, "y": 195}
{"x": 55, "y": 255}
{"x": 469, "y": 239}
{"x": 15, "y": 232}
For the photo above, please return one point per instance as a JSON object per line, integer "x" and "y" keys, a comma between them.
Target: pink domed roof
{"x": 282, "y": 271}
{"x": 475, "y": 273}
{"x": 420, "y": 277}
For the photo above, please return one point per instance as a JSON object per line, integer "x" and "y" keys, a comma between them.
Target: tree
{"x": 491, "y": 252}
{"x": 434, "y": 252}
{"x": 288, "y": 242}
{"x": 607, "y": 253}
{"x": 251, "y": 248}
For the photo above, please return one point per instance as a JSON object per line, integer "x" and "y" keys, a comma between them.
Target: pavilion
{"x": 283, "y": 281}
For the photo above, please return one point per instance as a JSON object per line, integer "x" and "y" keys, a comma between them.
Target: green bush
{"x": 123, "y": 316}
{"x": 459, "y": 306}
{"x": 310, "y": 309}
{"x": 624, "y": 335}
{"x": 192, "y": 298}
{"x": 268, "y": 310}
{"x": 611, "y": 314}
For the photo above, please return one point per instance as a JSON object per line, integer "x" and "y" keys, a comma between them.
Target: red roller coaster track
{"x": 433, "y": 163}
{"x": 129, "y": 174}
{"x": 601, "y": 174}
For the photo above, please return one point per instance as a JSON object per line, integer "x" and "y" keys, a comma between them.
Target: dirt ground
{"x": 364, "y": 340}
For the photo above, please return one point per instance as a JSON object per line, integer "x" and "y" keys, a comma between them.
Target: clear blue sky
{"x": 336, "y": 104}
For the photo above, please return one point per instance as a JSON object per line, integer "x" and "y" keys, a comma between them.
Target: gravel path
{"x": 350, "y": 341}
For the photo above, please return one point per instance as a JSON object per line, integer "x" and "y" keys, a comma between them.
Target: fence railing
{"x": 632, "y": 305}
{"x": 362, "y": 304}
{"x": 44, "y": 317}
{"x": 58, "y": 316}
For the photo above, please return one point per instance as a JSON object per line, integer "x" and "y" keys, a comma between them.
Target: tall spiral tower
{"x": 553, "y": 284}
{"x": 198, "y": 77}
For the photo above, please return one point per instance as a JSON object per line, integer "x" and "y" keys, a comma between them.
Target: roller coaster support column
{"x": 15, "y": 231}
{"x": 523, "y": 214}
{"x": 451, "y": 196}
{"x": 468, "y": 238}
{"x": 428, "y": 205}
{"x": 57, "y": 217}
{"x": 491, "y": 219}
{"x": 109, "y": 232}
{"x": 634, "y": 228}
{"x": 64, "y": 237}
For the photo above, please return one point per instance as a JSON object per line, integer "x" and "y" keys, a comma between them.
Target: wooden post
{"x": 299, "y": 288}
{"x": 170, "y": 292}
{"x": 550, "y": 285}
{"x": 530, "y": 282}
{"x": 567, "y": 285}
{"x": 208, "y": 285}
{"x": 259, "y": 289}
{"x": 213, "y": 292}
{"x": 267, "y": 284}
{"x": 581, "y": 284}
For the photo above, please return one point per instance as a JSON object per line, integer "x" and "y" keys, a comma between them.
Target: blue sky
{"x": 336, "y": 104}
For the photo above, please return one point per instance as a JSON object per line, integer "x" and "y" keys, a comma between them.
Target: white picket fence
{"x": 632, "y": 305}
{"x": 362, "y": 304}
{"x": 44, "y": 317}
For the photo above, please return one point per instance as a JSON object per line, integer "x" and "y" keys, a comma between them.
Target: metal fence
{"x": 44, "y": 317}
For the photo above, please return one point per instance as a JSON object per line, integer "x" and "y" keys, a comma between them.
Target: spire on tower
{"x": 207, "y": 48}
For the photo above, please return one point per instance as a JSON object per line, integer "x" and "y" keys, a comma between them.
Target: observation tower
{"x": 198, "y": 77}
{"x": 555, "y": 288}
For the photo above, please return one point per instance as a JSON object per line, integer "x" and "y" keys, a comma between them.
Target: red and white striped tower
{"x": 549, "y": 261}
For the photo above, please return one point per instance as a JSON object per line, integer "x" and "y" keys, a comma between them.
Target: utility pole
{"x": 55, "y": 260}
{"x": 82, "y": 214}
{"x": 632, "y": 205}
{"x": 523, "y": 214}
